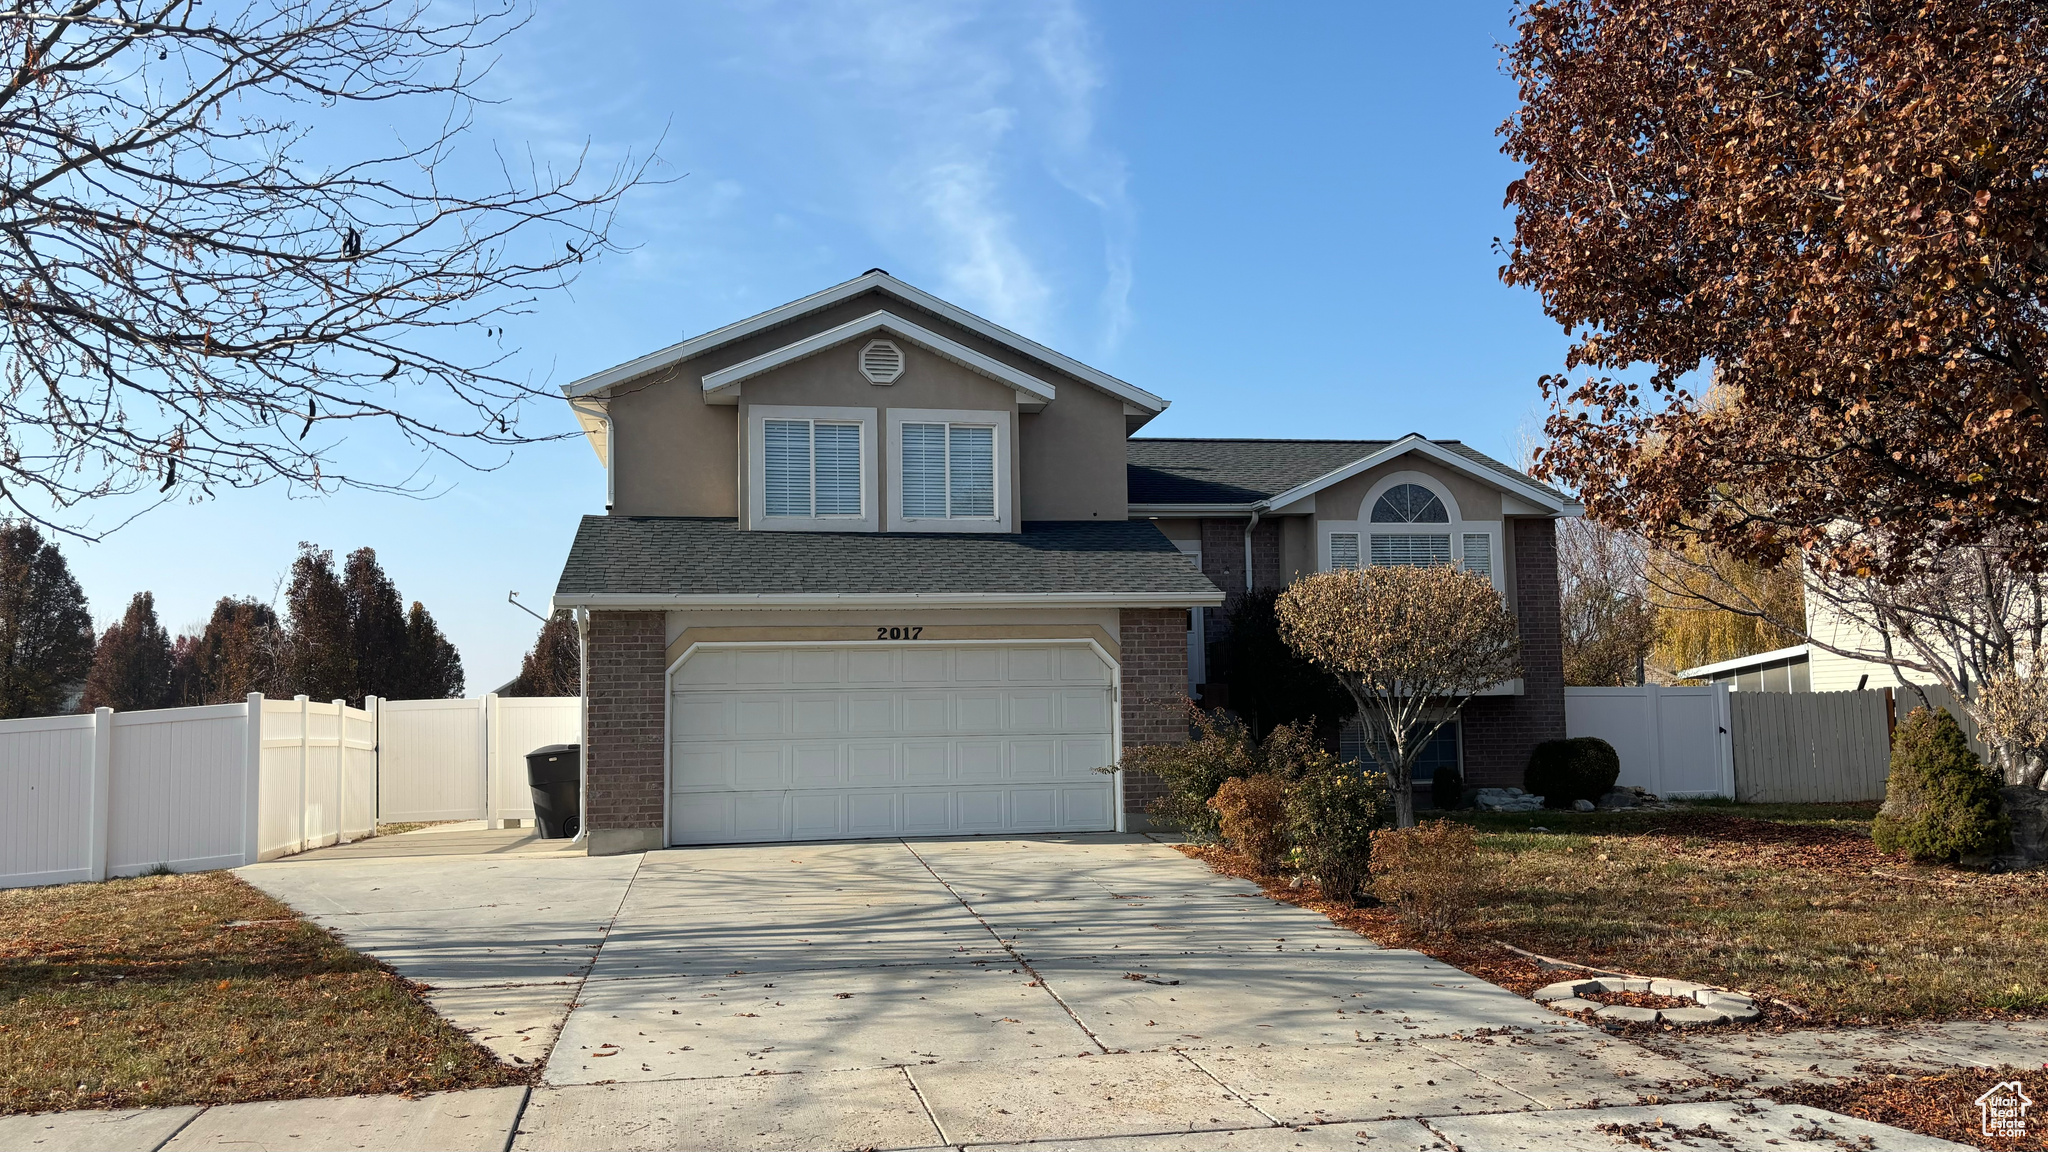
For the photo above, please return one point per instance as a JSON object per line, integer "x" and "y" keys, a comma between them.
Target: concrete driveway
{"x": 1090, "y": 991}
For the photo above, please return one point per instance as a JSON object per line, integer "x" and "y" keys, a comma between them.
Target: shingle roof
{"x": 692, "y": 556}
{"x": 1174, "y": 471}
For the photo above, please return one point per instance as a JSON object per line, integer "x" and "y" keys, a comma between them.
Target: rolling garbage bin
{"x": 551, "y": 772}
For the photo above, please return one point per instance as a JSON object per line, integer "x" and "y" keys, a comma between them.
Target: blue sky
{"x": 1280, "y": 217}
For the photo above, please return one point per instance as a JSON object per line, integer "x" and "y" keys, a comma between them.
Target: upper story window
{"x": 1410, "y": 523}
{"x": 949, "y": 471}
{"x": 811, "y": 468}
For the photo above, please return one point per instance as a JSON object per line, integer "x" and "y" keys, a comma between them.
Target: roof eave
{"x": 717, "y": 337}
{"x": 1414, "y": 442}
{"x": 825, "y": 601}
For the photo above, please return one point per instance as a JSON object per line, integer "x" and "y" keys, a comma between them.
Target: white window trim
{"x": 1002, "y": 521}
{"x": 1458, "y": 527}
{"x": 758, "y": 519}
{"x": 1198, "y": 635}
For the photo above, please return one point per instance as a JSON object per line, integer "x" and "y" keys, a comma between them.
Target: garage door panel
{"x": 925, "y": 712}
{"x": 1080, "y": 759}
{"x": 977, "y": 712}
{"x": 1032, "y": 759}
{"x": 824, "y": 743}
{"x": 871, "y": 764}
{"x": 927, "y": 761}
{"x": 816, "y": 666}
{"x": 763, "y": 717}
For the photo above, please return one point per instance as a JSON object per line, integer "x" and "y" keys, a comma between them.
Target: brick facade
{"x": 625, "y": 806}
{"x": 1223, "y": 564}
{"x": 1155, "y": 688}
{"x": 1499, "y": 731}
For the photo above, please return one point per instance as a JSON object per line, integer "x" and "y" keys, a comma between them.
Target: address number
{"x": 908, "y": 632}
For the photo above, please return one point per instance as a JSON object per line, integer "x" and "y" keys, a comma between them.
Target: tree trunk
{"x": 1401, "y": 785}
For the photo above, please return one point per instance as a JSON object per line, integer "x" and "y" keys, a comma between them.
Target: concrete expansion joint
{"x": 1043, "y": 984}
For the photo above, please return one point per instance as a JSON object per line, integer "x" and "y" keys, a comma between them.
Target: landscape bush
{"x": 1332, "y": 812}
{"x": 1431, "y": 874}
{"x": 1940, "y": 802}
{"x": 1448, "y": 789}
{"x": 1562, "y": 771}
{"x": 1251, "y": 812}
{"x": 1220, "y": 747}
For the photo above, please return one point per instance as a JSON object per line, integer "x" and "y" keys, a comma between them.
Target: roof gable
{"x": 1242, "y": 474}
{"x": 878, "y": 281}
{"x": 723, "y": 386}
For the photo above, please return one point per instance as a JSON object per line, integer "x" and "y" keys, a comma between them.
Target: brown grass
{"x": 1800, "y": 907}
{"x": 200, "y": 989}
{"x": 1942, "y": 1105}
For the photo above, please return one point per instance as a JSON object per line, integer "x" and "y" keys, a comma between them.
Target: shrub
{"x": 1331, "y": 815}
{"x": 1448, "y": 789}
{"x": 1220, "y": 748}
{"x": 1252, "y": 814}
{"x": 1940, "y": 802}
{"x": 1581, "y": 768}
{"x": 1432, "y": 873}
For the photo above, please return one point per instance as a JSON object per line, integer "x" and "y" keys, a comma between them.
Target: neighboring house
{"x": 1810, "y": 667}
{"x": 874, "y": 566}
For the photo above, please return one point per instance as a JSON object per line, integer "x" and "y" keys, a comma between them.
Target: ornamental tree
{"x": 1410, "y": 646}
{"x": 1840, "y": 208}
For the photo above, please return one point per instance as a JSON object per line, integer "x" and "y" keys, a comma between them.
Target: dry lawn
{"x": 1793, "y": 902}
{"x": 200, "y": 989}
{"x": 1944, "y": 1105}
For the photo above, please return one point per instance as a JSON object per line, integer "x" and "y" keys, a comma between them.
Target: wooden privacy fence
{"x": 1810, "y": 747}
{"x": 114, "y": 794}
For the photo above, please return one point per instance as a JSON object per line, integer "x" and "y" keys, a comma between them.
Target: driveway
{"x": 1104, "y": 990}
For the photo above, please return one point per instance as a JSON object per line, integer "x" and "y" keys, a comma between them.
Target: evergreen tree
{"x": 131, "y": 667}
{"x": 242, "y": 650}
{"x": 320, "y": 661}
{"x": 554, "y": 667}
{"x": 377, "y": 627}
{"x": 433, "y": 668}
{"x": 46, "y": 640}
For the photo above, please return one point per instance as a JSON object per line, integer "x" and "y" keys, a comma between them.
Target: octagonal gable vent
{"x": 881, "y": 362}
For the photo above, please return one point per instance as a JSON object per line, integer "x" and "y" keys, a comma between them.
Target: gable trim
{"x": 888, "y": 322}
{"x": 678, "y": 352}
{"x": 1413, "y": 443}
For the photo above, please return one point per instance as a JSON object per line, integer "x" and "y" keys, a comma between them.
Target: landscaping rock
{"x": 1619, "y": 798}
{"x": 1687, "y": 1016}
{"x": 1505, "y": 800}
{"x": 1582, "y": 805}
{"x": 2028, "y": 808}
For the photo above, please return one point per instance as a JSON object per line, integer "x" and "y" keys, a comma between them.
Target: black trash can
{"x": 552, "y": 774}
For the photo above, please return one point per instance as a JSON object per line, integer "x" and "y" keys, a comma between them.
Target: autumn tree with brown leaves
{"x": 1410, "y": 645}
{"x": 1840, "y": 207}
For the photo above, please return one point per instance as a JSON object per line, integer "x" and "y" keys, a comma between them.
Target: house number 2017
{"x": 905, "y": 633}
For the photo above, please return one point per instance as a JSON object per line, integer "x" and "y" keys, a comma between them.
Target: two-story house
{"x": 872, "y": 565}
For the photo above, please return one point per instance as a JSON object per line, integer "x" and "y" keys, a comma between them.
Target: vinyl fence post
{"x": 340, "y": 771}
{"x": 373, "y": 705}
{"x": 252, "y": 781}
{"x": 305, "y": 765}
{"x": 102, "y": 790}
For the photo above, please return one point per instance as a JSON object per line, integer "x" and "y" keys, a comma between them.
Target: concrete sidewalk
{"x": 1099, "y": 992}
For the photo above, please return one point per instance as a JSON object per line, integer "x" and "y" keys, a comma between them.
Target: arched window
{"x": 1409, "y": 504}
{"x": 1411, "y": 521}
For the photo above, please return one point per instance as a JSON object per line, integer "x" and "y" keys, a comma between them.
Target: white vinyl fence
{"x": 113, "y": 794}
{"x": 1672, "y": 741}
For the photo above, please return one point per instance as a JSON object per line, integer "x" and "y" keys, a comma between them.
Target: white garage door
{"x": 922, "y": 739}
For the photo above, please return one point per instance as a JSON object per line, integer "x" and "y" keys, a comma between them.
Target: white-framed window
{"x": 949, "y": 471}
{"x": 1411, "y": 519}
{"x": 811, "y": 468}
